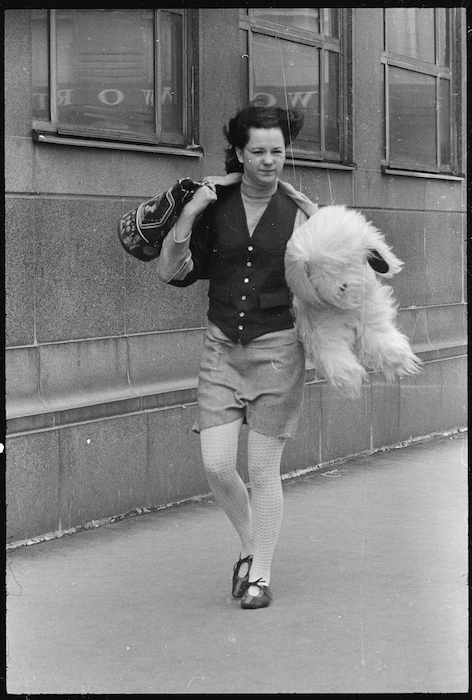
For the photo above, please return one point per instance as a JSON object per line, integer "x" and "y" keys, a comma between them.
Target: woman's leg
{"x": 264, "y": 456}
{"x": 219, "y": 452}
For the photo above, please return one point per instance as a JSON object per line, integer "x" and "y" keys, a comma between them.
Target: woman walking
{"x": 234, "y": 232}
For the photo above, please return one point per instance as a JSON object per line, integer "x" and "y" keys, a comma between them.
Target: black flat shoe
{"x": 240, "y": 582}
{"x": 261, "y": 600}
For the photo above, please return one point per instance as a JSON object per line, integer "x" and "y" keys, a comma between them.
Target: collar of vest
{"x": 300, "y": 199}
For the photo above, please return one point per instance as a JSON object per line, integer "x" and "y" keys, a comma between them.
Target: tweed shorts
{"x": 261, "y": 382}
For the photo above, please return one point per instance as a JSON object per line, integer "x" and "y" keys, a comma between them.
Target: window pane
{"x": 444, "y": 122}
{"x": 443, "y": 31}
{"x": 286, "y": 73}
{"x": 301, "y": 18}
{"x": 410, "y": 32}
{"x": 171, "y": 56}
{"x": 330, "y": 22}
{"x": 105, "y": 69}
{"x": 331, "y": 97}
{"x": 40, "y": 68}
{"x": 412, "y": 117}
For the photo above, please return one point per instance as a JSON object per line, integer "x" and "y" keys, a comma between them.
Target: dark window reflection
{"x": 412, "y": 117}
{"x": 286, "y": 73}
{"x": 300, "y": 18}
{"x": 444, "y": 33}
{"x": 106, "y": 62}
{"x": 105, "y": 71}
{"x": 331, "y": 22}
{"x": 331, "y": 92}
{"x": 410, "y": 32}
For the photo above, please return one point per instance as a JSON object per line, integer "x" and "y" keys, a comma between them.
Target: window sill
{"x": 416, "y": 173}
{"x": 319, "y": 164}
{"x": 45, "y": 137}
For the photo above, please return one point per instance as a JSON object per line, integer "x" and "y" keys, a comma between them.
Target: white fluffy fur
{"x": 344, "y": 315}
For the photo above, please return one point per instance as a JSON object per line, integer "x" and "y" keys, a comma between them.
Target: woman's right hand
{"x": 204, "y": 196}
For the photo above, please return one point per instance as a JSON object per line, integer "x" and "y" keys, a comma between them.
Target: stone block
{"x": 79, "y": 270}
{"x": 19, "y": 272}
{"x": 32, "y": 485}
{"x": 84, "y": 373}
{"x": 304, "y": 451}
{"x": 420, "y": 402}
{"x": 152, "y": 305}
{"x": 385, "y": 411}
{"x": 18, "y": 69}
{"x": 447, "y": 325}
{"x": 414, "y": 324}
{"x": 103, "y": 469}
{"x": 372, "y": 187}
{"x": 164, "y": 361}
{"x": 19, "y": 158}
{"x": 454, "y": 404}
{"x": 175, "y": 468}
{"x": 144, "y": 175}
{"x": 345, "y": 423}
{"x": 322, "y": 185}
{"x": 443, "y": 257}
{"x": 219, "y": 81}
{"x": 405, "y": 232}
{"x": 75, "y": 170}
{"x": 22, "y": 382}
{"x": 445, "y": 195}
{"x": 368, "y": 94}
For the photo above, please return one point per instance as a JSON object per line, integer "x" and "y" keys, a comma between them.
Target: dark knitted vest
{"x": 248, "y": 292}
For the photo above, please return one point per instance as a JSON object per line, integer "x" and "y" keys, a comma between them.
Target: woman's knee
{"x": 264, "y": 476}
{"x": 219, "y": 449}
{"x": 219, "y": 468}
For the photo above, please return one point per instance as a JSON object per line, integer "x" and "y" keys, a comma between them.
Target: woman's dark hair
{"x": 289, "y": 121}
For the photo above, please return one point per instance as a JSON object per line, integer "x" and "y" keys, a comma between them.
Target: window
{"x": 419, "y": 81}
{"x": 96, "y": 73}
{"x": 297, "y": 57}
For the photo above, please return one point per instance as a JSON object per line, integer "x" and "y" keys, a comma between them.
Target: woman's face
{"x": 263, "y": 156}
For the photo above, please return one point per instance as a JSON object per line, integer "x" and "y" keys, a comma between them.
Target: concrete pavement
{"x": 369, "y": 581}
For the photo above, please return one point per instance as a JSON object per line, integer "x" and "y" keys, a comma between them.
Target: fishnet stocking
{"x": 219, "y": 451}
{"x": 257, "y": 523}
{"x": 264, "y": 456}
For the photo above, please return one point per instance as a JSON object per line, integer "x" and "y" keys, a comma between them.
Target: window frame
{"x": 452, "y": 74}
{"x": 343, "y": 47}
{"x": 52, "y": 131}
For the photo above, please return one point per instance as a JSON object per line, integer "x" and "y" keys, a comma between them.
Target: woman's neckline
{"x": 257, "y": 192}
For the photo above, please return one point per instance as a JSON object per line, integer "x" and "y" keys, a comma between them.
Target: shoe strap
{"x": 257, "y": 583}
{"x": 246, "y": 560}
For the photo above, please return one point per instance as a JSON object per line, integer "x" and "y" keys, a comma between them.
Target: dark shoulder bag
{"x": 142, "y": 230}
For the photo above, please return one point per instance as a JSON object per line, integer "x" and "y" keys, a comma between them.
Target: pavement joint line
{"x": 144, "y": 510}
